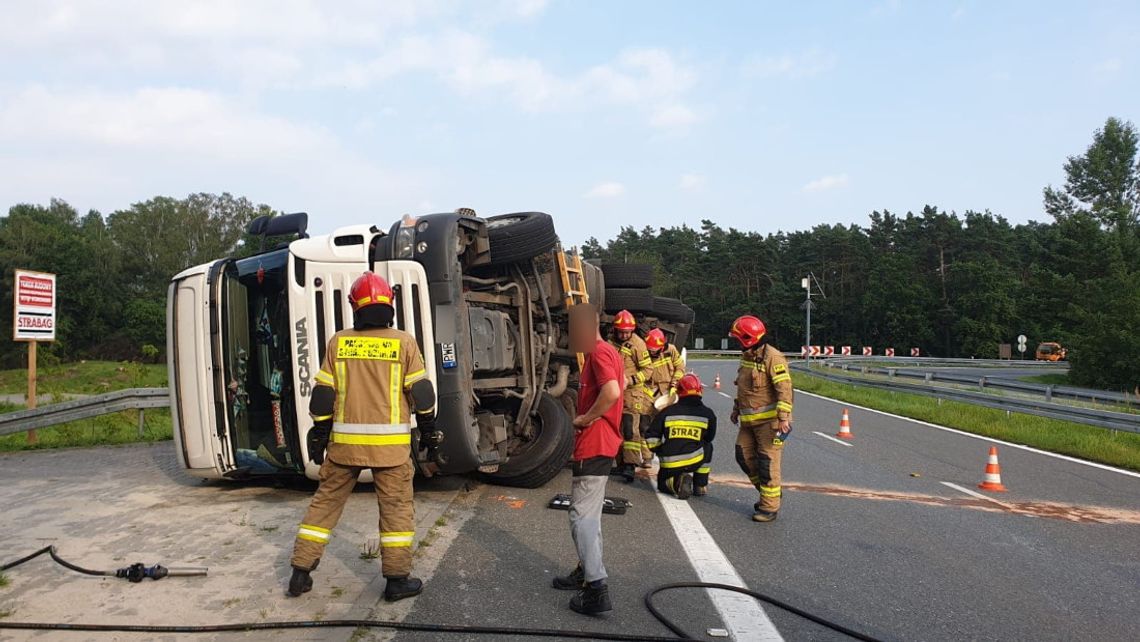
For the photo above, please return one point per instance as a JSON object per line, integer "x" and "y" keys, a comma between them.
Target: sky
{"x": 756, "y": 115}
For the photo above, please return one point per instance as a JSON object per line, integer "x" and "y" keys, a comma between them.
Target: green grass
{"x": 116, "y": 428}
{"x": 88, "y": 378}
{"x": 1048, "y": 379}
{"x": 4, "y": 581}
{"x": 85, "y": 377}
{"x": 1117, "y": 448}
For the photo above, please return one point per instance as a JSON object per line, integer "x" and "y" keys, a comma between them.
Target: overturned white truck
{"x": 485, "y": 298}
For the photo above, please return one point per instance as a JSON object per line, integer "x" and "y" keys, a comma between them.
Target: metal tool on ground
{"x": 992, "y": 481}
{"x": 845, "y": 427}
{"x": 612, "y": 505}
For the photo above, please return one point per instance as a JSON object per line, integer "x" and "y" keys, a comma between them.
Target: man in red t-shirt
{"x": 596, "y": 443}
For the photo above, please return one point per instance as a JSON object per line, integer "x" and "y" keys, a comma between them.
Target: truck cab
{"x": 486, "y": 300}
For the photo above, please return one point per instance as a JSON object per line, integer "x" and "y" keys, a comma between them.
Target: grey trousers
{"x": 587, "y": 494}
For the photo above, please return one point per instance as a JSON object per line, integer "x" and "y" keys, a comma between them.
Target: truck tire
{"x": 673, "y": 310}
{"x": 632, "y": 299}
{"x": 628, "y": 275}
{"x": 546, "y": 455}
{"x": 520, "y": 236}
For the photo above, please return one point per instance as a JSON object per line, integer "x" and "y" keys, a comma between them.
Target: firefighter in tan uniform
{"x": 668, "y": 368}
{"x": 763, "y": 409}
{"x": 637, "y": 404}
{"x": 361, "y": 413}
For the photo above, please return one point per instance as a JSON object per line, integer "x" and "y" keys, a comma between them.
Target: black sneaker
{"x": 764, "y": 516}
{"x": 301, "y": 582}
{"x": 575, "y": 581}
{"x": 399, "y": 588}
{"x": 685, "y": 486}
{"x": 592, "y": 601}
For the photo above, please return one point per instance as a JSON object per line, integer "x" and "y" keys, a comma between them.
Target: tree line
{"x": 952, "y": 285}
{"x": 113, "y": 271}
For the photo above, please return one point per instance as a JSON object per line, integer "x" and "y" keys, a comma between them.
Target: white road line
{"x": 975, "y": 494}
{"x": 1092, "y": 464}
{"x": 742, "y": 614}
{"x": 724, "y": 394}
{"x": 838, "y": 441}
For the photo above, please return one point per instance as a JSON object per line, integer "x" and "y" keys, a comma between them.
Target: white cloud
{"x": 802, "y": 65}
{"x": 692, "y": 182}
{"x": 1108, "y": 67}
{"x": 609, "y": 189}
{"x": 673, "y": 116}
{"x": 163, "y": 140}
{"x": 827, "y": 183}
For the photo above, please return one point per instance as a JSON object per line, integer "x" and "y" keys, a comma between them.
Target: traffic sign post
{"x": 33, "y": 320}
{"x": 1021, "y": 339}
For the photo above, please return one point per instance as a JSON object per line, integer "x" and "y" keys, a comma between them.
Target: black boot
{"x": 301, "y": 582}
{"x": 685, "y": 486}
{"x": 592, "y": 600}
{"x": 575, "y": 581}
{"x": 627, "y": 473}
{"x": 399, "y": 588}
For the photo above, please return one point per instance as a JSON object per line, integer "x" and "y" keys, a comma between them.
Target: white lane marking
{"x": 724, "y": 394}
{"x": 1092, "y": 464}
{"x": 975, "y": 494}
{"x": 742, "y": 614}
{"x": 838, "y": 441}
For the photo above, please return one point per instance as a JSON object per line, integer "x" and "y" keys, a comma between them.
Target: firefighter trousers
{"x": 759, "y": 458}
{"x": 667, "y": 477}
{"x": 632, "y": 448}
{"x": 397, "y": 515}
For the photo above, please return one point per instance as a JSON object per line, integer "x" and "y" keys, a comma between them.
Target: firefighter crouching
{"x": 668, "y": 368}
{"x": 763, "y": 409}
{"x": 637, "y": 404}
{"x": 372, "y": 377}
{"x": 682, "y": 436}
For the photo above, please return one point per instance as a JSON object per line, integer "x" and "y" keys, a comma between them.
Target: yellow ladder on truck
{"x": 571, "y": 266}
{"x": 574, "y": 288}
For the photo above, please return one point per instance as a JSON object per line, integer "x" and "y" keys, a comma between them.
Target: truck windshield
{"x": 258, "y": 363}
{"x": 1045, "y": 348}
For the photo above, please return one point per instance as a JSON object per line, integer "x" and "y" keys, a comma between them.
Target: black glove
{"x": 318, "y": 441}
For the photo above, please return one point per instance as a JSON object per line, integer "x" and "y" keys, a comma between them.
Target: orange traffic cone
{"x": 993, "y": 474}
{"x": 845, "y": 427}
{"x": 716, "y": 381}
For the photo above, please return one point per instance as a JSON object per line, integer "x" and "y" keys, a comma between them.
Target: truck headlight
{"x": 406, "y": 238}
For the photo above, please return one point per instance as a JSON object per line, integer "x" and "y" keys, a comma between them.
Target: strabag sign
{"x": 34, "y": 298}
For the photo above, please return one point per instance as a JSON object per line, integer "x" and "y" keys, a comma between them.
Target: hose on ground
{"x": 410, "y": 626}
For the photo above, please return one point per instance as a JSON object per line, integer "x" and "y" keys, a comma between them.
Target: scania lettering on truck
{"x": 485, "y": 299}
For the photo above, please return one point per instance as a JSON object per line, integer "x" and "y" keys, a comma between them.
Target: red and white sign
{"x": 33, "y": 301}
{"x": 914, "y": 352}
{"x": 868, "y": 351}
{"x": 890, "y": 352}
{"x": 805, "y": 351}
{"x": 829, "y": 351}
{"x": 815, "y": 351}
{"x": 846, "y": 351}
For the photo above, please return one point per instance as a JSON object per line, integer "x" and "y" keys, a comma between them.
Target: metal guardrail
{"x": 85, "y": 408}
{"x": 1088, "y": 416}
{"x": 1046, "y": 391}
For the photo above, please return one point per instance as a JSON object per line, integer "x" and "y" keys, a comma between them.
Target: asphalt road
{"x": 869, "y": 537}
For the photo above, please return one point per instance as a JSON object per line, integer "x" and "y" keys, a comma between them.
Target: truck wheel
{"x": 520, "y": 236}
{"x": 632, "y": 299}
{"x": 546, "y": 454}
{"x": 628, "y": 275}
{"x": 673, "y": 310}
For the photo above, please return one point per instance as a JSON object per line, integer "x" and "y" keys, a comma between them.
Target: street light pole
{"x": 806, "y": 284}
